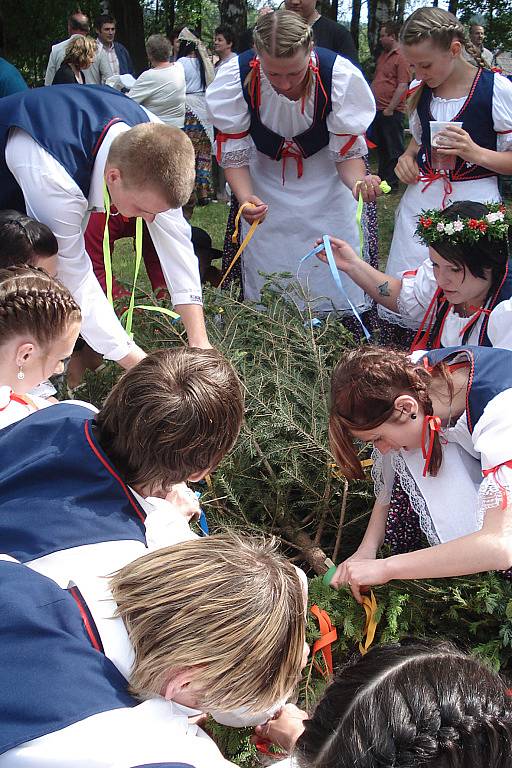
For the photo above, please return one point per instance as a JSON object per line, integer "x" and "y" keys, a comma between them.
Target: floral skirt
{"x": 203, "y": 152}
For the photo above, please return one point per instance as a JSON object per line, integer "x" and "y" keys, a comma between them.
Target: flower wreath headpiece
{"x": 433, "y": 226}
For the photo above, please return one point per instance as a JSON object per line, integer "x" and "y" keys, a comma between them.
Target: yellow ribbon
{"x": 234, "y": 238}
{"x": 370, "y": 608}
{"x": 107, "y": 260}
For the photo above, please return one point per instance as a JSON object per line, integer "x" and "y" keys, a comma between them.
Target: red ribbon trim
{"x": 431, "y": 424}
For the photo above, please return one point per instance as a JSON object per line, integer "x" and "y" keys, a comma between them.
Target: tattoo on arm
{"x": 383, "y": 289}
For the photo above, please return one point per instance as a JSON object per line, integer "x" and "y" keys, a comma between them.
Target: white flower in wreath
{"x": 494, "y": 217}
{"x": 440, "y": 227}
{"x": 458, "y": 225}
{"x": 449, "y": 228}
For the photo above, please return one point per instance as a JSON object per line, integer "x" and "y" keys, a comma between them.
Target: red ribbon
{"x": 430, "y": 176}
{"x": 431, "y": 424}
{"x": 254, "y": 86}
{"x": 290, "y": 150}
{"x": 222, "y": 137}
{"x": 478, "y": 311}
{"x": 16, "y": 399}
{"x": 487, "y": 472}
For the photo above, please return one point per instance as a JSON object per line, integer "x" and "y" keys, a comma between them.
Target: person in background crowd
{"x": 223, "y": 44}
{"x": 389, "y": 86}
{"x": 326, "y": 32}
{"x": 79, "y": 56}
{"x": 98, "y": 72}
{"x": 477, "y": 37}
{"x": 11, "y": 79}
{"x": 199, "y": 73}
{"x": 118, "y": 57}
{"x": 161, "y": 89}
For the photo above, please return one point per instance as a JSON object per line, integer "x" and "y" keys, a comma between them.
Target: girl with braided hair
{"x": 291, "y": 120}
{"x": 39, "y": 324}
{"x": 409, "y": 410}
{"x": 449, "y": 89}
{"x": 412, "y": 705}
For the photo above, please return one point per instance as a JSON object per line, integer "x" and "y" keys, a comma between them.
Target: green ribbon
{"x": 127, "y": 316}
{"x": 384, "y": 186}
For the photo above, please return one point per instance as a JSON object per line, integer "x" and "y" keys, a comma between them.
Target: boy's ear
{"x": 112, "y": 174}
{"x": 195, "y": 477}
{"x": 178, "y": 682}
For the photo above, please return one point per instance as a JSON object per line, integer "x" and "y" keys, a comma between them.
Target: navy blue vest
{"x": 317, "y": 135}
{"x": 50, "y": 675}
{"x": 490, "y": 374}
{"x": 69, "y": 122}
{"x": 431, "y": 338}
{"x": 476, "y": 118}
{"x": 58, "y": 489}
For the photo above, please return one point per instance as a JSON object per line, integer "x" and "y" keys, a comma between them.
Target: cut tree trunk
{"x": 233, "y": 13}
{"x": 130, "y": 30}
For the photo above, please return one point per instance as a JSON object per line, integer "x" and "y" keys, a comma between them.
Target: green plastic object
{"x": 327, "y": 577}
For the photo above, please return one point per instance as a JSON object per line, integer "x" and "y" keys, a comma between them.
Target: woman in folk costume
{"x": 462, "y": 293}
{"x": 199, "y": 73}
{"x": 408, "y": 410}
{"x": 450, "y": 89}
{"x": 290, "y": 122}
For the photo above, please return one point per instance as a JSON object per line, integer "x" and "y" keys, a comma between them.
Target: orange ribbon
{"x": 370, "y": 609}
{"x": 431, "y": 424}
{"x": 323, "y": 644}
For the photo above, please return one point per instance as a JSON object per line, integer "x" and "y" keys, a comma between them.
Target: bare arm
{"x": 354, "y": 175}
{"x": 192, "y": 316}
{"x": 486, "y": 550}
{"x": 382, "y": 288}
{"x": 397, "y": 97}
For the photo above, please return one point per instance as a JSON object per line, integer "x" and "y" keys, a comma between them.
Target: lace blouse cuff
{"x": 235, "y": 153}
{"x": 346, "y": 147}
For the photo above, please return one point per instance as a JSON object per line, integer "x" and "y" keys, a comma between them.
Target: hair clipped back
{"x": 411, "y": 706}
{"x": 176, "y": 413}
{"x": 156, "y": 156}
{"x": 282, "y": 34}
{"x": 33, "y": 303}
{"x": 231, "y": 605}
{"x": 364, "y": 387}
{"x": 442, "y": 28}
{"x": 23, "y": 239}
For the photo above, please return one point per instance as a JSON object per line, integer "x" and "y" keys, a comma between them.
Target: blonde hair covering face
{"x": 229, "y": 605}
{"x": 282, "y": 34}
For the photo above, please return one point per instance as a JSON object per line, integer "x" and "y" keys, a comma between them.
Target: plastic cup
{"x": 441, "y": 162}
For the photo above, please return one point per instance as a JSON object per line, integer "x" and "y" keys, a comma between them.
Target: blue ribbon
{"x": 202, "y": 522}
{"x": 326, "y": 246}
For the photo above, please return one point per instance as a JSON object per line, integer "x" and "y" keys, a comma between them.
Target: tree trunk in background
{"x": 233, "y": 13}
{"x": 130, "y": 30}
{"x": 400, "y": 11}
{"x": 325, "y": 7}
{"x": 453, "y": 6}
{"x": 354, "y": 22}
{"x": 379, "y": 11}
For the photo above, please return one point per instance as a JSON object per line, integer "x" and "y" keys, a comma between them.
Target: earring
{"x": 20, "y": 374}
{"x": 413, "y": 416}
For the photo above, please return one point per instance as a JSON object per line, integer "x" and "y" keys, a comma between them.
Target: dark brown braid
{"x": 32, "y": 302}
{"x": 364, "y": 387}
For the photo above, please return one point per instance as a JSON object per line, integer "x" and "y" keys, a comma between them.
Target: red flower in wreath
{"x": 425, "y": 222}
{"x": 473, "y": 224}
{"x": 482, "y": 226}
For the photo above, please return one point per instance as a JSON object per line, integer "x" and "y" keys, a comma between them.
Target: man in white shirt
{"x": 97, "y": 73}
{"x": 477, "y": 37}
{"x": 64, "y": 168}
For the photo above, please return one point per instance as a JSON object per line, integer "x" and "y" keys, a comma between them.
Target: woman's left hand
{"x": 361, "y": 574}
{"x": 369, "y": 187}
{"x": 457, "y": 141}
